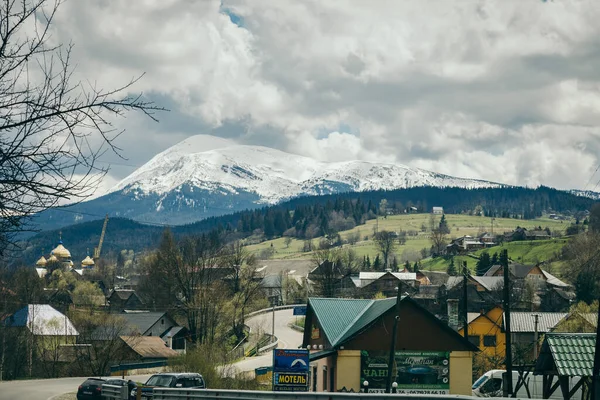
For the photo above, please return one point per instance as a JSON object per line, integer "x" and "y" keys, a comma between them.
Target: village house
{"x": 525, "y": 327}
{"x": 349, "y": 342}
{"x": 437, "y": 210}
{"x": 368, "y": 284}
{"x": 155, "y": 324}
{"x": 485, "y": 330}
{"x": 464, "y": 244}
{"x": 124, "y": 299}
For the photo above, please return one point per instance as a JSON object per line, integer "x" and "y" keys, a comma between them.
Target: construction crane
{"x": 99, "y": 248}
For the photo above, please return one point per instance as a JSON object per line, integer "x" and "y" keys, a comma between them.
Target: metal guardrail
{"x": 190, "y": 394}
{"x": 116, "y": 392}
{"x": 270, "y": 309}
{"x": 144, "y": 365}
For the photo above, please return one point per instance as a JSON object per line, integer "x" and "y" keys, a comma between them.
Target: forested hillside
{"x": 314, "y": 216}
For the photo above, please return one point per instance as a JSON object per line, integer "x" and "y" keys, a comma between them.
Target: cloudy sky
{"x": 506, "y": 91}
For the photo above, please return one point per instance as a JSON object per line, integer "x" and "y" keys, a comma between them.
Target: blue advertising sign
{"x": 300, "y": 310}
{"x": 290, "y": 370}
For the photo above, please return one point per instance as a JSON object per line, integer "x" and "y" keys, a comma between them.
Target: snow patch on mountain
{"x": 220, "y": 165}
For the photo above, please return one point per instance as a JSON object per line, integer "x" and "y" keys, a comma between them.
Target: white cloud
{"x": 506, "y": 91}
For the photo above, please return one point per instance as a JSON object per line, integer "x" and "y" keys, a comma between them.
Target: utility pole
{"x": 596, "y": 370}
{"x": 392, "y": 355}
{"x": 508, "y": 387}
{"x": 3, "y": 341}
{"x": 465, "y": 272}
{"x": 535, "y": 336}
{"x": 273, "y": 323}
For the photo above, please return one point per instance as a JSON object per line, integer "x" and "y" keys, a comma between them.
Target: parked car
{"x": 188, "y": 380}
{"x": 491, "y": 384}
{"x": 91, "y": 388}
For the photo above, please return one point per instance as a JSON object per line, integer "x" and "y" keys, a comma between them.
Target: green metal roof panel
{"x": 370, "y": 314}
{"x": 336, "y": 315}
{"x": 573, "y": 353}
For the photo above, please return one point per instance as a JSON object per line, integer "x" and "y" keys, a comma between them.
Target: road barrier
{"x": 191, "y": 394}
{"x": 116, "y": 392}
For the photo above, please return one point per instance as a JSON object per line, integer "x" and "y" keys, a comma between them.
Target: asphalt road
{"x": 288, "y": 337}
{"x": 44, "y": 389}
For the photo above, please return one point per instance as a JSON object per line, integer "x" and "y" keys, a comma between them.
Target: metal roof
{"x": 407, "y": 276}
{"x": 568, "y": 354}
{"x": 490, "y": 282}
{"x": 140, "y": 322}
{"x": 336, "y": 315}
{"x": 554, "y": 281}
{"x": 43, "y": 320}
{"x": 521, "y": 322}
{"x": 343, "y": 319}
{"x": 149, "y": 346}
{"x": 370, "y": 314}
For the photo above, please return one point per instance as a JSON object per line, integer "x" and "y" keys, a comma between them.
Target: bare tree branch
{"x": 49, "y": 123}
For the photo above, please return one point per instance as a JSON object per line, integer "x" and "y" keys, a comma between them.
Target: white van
{"x": 490, "y": 385}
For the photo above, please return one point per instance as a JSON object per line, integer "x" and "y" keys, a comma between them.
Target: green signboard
{"x": 415, "y": 372}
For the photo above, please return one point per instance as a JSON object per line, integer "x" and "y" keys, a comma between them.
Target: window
{"x": 492, "y": 386}
{"x": 474, "y": 339}
{"x": 314, "y": 376}
{"x": 489, "y": 341}
{"x": 324, "y": 379}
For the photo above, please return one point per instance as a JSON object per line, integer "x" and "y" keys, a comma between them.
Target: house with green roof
{"x": 350, "y": 339}
{"x": 566, "y": 362}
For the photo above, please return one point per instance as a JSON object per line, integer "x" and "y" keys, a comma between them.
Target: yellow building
{"x": 485, "y": 331}
{"x": 350, "y": 340}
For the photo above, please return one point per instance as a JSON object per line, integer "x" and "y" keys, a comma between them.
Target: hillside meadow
{"x": 418, "y": 224}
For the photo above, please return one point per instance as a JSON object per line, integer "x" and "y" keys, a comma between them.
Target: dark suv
{"x": 188, "y": 380}
{"x": 91, "y": 388}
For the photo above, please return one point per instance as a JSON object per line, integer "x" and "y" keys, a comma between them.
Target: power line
{"x": 591, "y": 177}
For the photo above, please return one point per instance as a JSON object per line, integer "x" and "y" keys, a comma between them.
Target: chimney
{"x": 453, "y": 313}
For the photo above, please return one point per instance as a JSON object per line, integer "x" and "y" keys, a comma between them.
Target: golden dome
{"x": 87, "y": 262}
{"x": 61, "y": 252}
{"x": 41, "y": 261}
{"x": 52, "y": 258}
{"x": 71, "y": 263}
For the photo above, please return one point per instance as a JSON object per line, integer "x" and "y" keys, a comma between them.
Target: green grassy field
{"x": 530, "y": 252}
{"x": 459, "y": 225}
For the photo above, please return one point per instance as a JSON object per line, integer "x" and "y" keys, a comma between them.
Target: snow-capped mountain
{"x": 270, "y": 174}
{"x": 205, "y": 176}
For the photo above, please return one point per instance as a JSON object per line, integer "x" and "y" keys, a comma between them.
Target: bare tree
{"x": 236, "y": 257}
{"x": 332, "y": 266}
{"x": 53, "y": 129}
{"x": 438, "y": 241}
{"x": 386, "y": 244}
{"x": 103, "y": 347}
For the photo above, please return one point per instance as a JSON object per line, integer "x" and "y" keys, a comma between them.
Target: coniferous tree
{"x": 444, "y": 225}
{"x": 407, "y": 266}
{"x": 416, "y": 267}
{"x": 395, "y": 264}
{"x": 494, "y": 260}
{"x": 377, "y": 263}
{"x": 483, "y": 264}
{"x": 368, "y": 263}
{"x": 452, "y": 268}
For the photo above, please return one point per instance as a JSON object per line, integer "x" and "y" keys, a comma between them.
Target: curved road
{"x": 44, "y": 389}
{"x": 288, "y": 337}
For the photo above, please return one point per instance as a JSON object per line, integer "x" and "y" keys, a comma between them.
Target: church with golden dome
{"x": 60, "y": 254}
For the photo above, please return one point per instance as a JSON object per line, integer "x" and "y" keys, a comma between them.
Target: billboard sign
{"x": 415, "y": 372}
{"x": 300, "y": 310}
{"x": 290, "y": 370}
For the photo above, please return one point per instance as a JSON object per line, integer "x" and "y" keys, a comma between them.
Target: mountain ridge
{"x": 205, "y": 176}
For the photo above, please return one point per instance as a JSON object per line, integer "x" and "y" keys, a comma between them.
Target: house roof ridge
{"x": 341, "y": 335}
{"x": 351, "y": 326}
